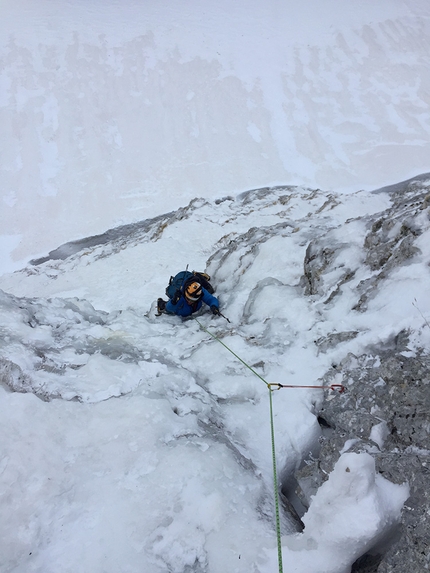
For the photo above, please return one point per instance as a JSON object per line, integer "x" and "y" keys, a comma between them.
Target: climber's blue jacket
{"x": 183, "y": 308}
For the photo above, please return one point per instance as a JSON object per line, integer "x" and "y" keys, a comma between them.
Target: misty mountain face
{"x": 320, "y": 289}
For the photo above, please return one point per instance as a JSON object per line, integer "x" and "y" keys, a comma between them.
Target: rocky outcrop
{"x": 385, "y": 409}
{"x": 384, "y": 412}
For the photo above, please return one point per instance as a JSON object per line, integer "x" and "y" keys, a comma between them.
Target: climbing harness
{"x": 271, "y": 387}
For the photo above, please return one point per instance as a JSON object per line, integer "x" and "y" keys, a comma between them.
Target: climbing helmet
{"x": 193, "y": 291}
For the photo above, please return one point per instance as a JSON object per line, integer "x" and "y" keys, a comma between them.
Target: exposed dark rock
{"x": 391, "y": 391}
{"x": 333, "y": 339}
{"x": 317, "y": 259}
{"x": 391, "y": 238}
{"x": 367, "y": 564}
{"x": 12, "y": 377}
{"x": 382, "y": 246}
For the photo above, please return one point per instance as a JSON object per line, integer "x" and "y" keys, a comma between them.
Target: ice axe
{"x": 216, "y": 312}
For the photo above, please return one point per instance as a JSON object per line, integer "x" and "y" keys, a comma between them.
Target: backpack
{"x": 178, "y": 282}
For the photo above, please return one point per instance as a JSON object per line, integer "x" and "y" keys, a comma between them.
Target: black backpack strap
{"x": 204, "y": 279}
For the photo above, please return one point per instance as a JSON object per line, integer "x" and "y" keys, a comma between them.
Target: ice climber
{"x": 187, "y": 294}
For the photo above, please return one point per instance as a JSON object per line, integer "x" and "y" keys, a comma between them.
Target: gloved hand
{"x": 215, "y": 310}
{"x": 176, "y": 297}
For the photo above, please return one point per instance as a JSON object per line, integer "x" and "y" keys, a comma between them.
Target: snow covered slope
{"x": 133, "y": 442}
{"x": 109, "y": 109}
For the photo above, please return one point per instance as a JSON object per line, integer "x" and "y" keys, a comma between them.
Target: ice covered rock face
{"x": 385, "y": 410}
{"x": 157, "y": 418}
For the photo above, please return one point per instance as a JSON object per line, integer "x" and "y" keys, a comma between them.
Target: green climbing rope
{"x": 230, "y": 350}
{"x": 272, "y": 429}
{"x": 275, "y": 485}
